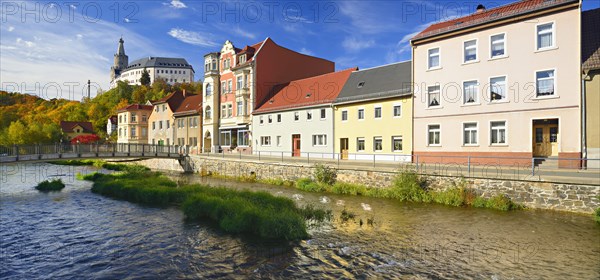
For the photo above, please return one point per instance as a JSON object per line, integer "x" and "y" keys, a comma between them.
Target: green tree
{"x": 145, "y": 79}
{"x": 17, "y": 133}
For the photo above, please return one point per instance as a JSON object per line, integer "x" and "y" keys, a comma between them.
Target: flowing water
{"x": 77, "y": 234}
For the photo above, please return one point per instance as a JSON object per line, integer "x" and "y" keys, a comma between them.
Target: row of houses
{"x": 501, "y": 85}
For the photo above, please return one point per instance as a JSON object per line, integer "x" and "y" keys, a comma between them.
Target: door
{"x": 296, "y": 145}
{"x": 344, "y": 148}
{"x": 553, "y": 139}
{"x": 545, "y": 140}
{"x": 207, "y": 144}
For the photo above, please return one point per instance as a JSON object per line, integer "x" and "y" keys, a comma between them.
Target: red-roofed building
{"x": 236, "y": 81}
{"x": 298, "y": 117}
{"x": 133, "y": 124}
{"x": 160, "y": 128}
{"x": 188, "y": 123}
{"x": 71, "y": 130}
{"x": 502, "y": 83}
{"x": 111, "y": 125}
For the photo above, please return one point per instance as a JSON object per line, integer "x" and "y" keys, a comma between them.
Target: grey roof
{"x": 392, "y": 80}
{"x": 164, "y": 62}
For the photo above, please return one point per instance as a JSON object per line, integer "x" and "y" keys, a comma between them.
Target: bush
{"x": 348, "y": 188}
{"x": 408, "y": 186}
{"x": 325, "y": 174}
{"x": 597, "y": 215}
{"x": 47, "y": 186}
{"x": 309, "y": 185}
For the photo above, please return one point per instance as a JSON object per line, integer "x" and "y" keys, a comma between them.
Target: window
{"x": 470, "y": 134}
{"x": 133, "y": 132}
{"x": 164, "y": 107}
{"x": 361, "y": 114}
{"x": 239, "y": 82}
{"x": 553, "y": 134}
{"x": 360, "y": 144}
{"x": 160, "y": 125}
{"x": 470, "y": 51}
{"x": 470, "y": 92}
{"x": 434, "y": 58}
{"x": 308, "y": 115}
{"x": 119, "y": 132}
{"x": 243, "y": 138}
{"x": 498, "y": 88}
{"x": 344, "y": 115}
{"x": 377, "y": 144}
{"x": 498, "y": 130}
{"x": 544, "y": 81}
{"x": 144, "y": 118}
{"x": 397, "y": 143}
{"x": 207, "y": 112}
{"x": 156, "y": 109}
{"x": 261, "y": 120}
{"x": 120, "y": 121}
{"x": 229, "y": 110}
{"x": 279, "y": 141}
{"x": 168, "y": 124}
{"x": 323, "y": 114}
{"x": 433, "y": 96}
{"x": 360, "y": 84}
{"x": 240, "y": 108}
{"x": 497, "y": 46}
{"x": 378, "y": 112}
{"x": 278, "y": 117}
{"x": 545, "y": 36}
{"x": 208, "y": 89}
{"x": 223, "y": 87}
{"x": 144, "y": 132}
{"x": 223, "y": 111}
{"x": 397, "y": 110}
{"x": 296, "y": 116}
{"x": 225, "y": 138}
{"x": 433, "y": 134}
{"x": 265, "y": 140}
{"x": 153, "y": 125}
{"x": 229, "y": 86}
{"x": 319, "y": 140}
{"x": 270, "y": 119}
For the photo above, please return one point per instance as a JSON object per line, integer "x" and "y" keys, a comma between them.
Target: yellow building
{"x": 373, "y": 114}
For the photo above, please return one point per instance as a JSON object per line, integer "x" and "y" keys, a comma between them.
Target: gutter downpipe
{"x": 583, "y": 119}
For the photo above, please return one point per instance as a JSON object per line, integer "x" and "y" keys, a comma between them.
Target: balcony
{"x": 243, "y": 92}
{"x": 211, "y": 72}
{"x": 242, "y": 119}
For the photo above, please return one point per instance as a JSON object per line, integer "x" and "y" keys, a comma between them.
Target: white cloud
{"x": 127, "y": 20}
{"x": 243, "y": 33}
{"x": 79, "y": 36}
{"x": 191, "y": 37}
{"x": 307, "y": 51}
{"x": 11, "y": 28}
{"x": 354, "y": 44}
{"x": 22, "y": 42}
{"x": 177, "y": 4}
{"x": 367, "y": 18}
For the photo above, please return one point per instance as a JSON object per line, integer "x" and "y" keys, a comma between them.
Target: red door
{"x": 296, "y": 145}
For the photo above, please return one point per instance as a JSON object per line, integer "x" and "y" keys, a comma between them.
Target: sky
{"x": 51, "y": 49}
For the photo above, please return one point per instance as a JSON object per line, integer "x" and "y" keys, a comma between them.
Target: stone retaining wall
{"x": 540, "y": 195}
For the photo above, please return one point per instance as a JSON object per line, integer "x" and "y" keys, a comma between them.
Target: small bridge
{"x": 37, "y": 153}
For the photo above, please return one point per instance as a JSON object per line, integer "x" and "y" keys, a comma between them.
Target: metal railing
{"x": 560, "y": 170}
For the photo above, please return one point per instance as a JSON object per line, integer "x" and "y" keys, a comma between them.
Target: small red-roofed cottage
{"x": 297, "y": 117}
{"x": 71, "y": 130}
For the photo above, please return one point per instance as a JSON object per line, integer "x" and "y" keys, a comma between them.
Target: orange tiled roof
{"x": 136, "y": 107}
{"x": 306, "y": 92}
{"x": 491, "y": 15}
{"x": 192, "y": 104}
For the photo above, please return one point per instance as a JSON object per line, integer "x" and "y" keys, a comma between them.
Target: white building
{"x": 171, "y": 70}
{"x": 298, "y": 118}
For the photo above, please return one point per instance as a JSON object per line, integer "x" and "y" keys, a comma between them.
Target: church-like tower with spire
{"x": 121, "y": 62}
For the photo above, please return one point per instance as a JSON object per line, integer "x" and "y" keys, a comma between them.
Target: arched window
{"x": 207, "y": 112}
{"x": 208, "y": 89}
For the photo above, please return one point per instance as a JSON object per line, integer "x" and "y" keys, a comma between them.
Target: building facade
{"x": 373, "y": 114}
{"x": 591, "y": 85}
{"x": 71, "y": 130}
{"x": 188, "y": 123}
{"x": 133, "y": 124}
{"x": 239, "y": 80}
{"x": 298, "y": 118}
{"x": 471, "y": 98}
{"x": 111, "y": 126}
{"x": 160, "y": 123}
{"x": 171, "y": 70}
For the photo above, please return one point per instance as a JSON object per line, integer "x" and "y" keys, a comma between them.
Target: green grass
{"x": 257, "y": 213}
{"x": 53, "y": 185}
{"x": 597, "y": 215}
{"x": 103, "y": 164}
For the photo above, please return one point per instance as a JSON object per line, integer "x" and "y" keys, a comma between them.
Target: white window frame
{"x": 239, "y": 82}
{"x": 397, "y": 137}
{"x": 358, "y": 139}
{"x": 553, "y": 46}
{"x": 439, "y": 66}
{"x": 477, "y": 92}
{"x": 375, "y": 112}
{"x": 322, "y": 112}
{"x": 296, "y": 116}
{"x": 439, "y": 130}
{"x": 394, "y": 110}
{"x": 505, "y": 99}
{"x": 505, "y": 45}
{"x": 505, "y": 133}
{"x": 319, "y": 140}
{"x": 309, "y": 114}
{"x": 265, "y": 141}
{"x": 342, "y": 115}
{"x": 464, "y": 60}
{"x": 261, "y": 120}
{"x": 375, "y": 138}
{"x": 476, "y": 129}
{"x": 241, "y": 133}
{"x": 278, "y": 139}
{"x": 440, "y": 97}
{"x": 554, "y": 95}
{"x": 358, "y": 113}
{"x": 278, "y": 118}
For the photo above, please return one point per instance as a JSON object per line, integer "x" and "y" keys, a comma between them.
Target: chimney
{"x": 480, "y": 9}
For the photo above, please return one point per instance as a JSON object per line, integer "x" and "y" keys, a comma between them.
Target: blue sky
{"x": 52, "y": 48}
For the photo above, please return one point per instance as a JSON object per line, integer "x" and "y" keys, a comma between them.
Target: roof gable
{"x": 68, "y": 126}
{"x": 192, "y": 104}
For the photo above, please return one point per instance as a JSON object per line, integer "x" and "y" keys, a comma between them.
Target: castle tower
{"x": 120, "y": 63}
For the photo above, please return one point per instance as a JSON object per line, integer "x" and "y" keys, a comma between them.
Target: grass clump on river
{"x": 103, "y": 164}
{"x": 235, "y": 211}
{"x": 406, "y": 186}
{"x": 53, "y": 185}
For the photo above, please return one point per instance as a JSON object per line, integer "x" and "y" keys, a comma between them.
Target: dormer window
{"x": 242, "y": 59}
{"x": 360, "y": 84}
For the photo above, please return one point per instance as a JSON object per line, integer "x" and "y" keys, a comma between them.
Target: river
{"x": 77, "y": 234}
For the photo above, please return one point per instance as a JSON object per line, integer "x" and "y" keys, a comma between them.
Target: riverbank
{"x": 575, "y": 198}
